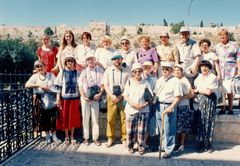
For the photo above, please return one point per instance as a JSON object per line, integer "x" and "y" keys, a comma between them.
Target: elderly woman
{"x": 67, "y": 48}
{"x": 129, "y": 56}
{"x": 146, "y": 53}
{"x": 83, "y": 49}
{"x": 183, "y": 112}
{"x": 137, "y": 109}
{"x": 68, "y": 98}
{"x": 205, "y": 87}
{"x": 45, "y": 107}
{"x": 228, "y": 53}
{"x": 204, "y": 45}
{"x": 104, "y": 53}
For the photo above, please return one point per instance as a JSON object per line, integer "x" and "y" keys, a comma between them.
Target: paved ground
{"x": 40, "y": 154}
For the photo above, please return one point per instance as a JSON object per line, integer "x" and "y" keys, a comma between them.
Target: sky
{"x": 118, "y": 12}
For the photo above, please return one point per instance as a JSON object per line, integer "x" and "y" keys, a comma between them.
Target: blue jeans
{"x": 170, "y": 126}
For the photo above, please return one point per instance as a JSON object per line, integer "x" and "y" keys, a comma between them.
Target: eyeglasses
{"x": 184, "y": 33}
{"x": 137, "y": 71}
{"x": 124, "y": 43}
{"x": 38, "y": 66}
{"x": 165, "y": 69}
{"x": 70, "y": 60}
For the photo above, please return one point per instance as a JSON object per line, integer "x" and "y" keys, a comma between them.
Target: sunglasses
{"x": 124, "y": 43}
{"x": 70, "y": 60}
{"x": 165, "y": 69}
{"x": 137, "y": 71}
{"x": 39, "y": 66}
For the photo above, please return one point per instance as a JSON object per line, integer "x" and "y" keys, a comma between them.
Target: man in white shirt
{"x": 168, "y": 89}
{"x": 114, "y": 80}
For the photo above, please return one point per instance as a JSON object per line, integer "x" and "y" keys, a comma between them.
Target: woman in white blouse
{"x": 137, "y": 109}
{"x": 206, "y": 85}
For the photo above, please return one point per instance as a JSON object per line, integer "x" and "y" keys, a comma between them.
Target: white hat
{"x": 167, "y": 64}
{"x": 136, "y": 66}
{"x": 147, "y": 63}
{"x": 179, "y": 66}
{"x": 184, "y": 29}
{"x": 124, "y": 38}
{"x": 164, "y": 34}
{"x": 90, "y": 54}
{"x": 69, "y": 56}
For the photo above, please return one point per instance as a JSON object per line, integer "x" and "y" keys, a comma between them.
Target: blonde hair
{"x": 105, "y": 38}
{"x": 144, "y": 37}
{"x": 223, "y": 31}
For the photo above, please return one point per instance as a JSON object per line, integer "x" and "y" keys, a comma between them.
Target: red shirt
{"x": 48, "y": 57}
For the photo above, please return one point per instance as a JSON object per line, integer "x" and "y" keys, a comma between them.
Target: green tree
{"x": 139, "y": 30}
{"x": 15, "y": 55}
{"x": 201, "y": 24}
{"x": 221, "y": 24}
{"x": 176, "y": 27}
{"x": 30, "y": 34}
{"x": 48, "y": 31}
{"x": 165, "y": 22}
{"x": 123, "y": 31}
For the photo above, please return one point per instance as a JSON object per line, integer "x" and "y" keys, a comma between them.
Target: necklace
{"x": 42, "y": 77}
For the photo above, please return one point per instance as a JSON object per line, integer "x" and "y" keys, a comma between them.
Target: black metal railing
{"x": 16, "y": 114}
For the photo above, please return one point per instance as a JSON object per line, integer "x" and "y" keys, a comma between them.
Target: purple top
{"x": 149, "y": 55}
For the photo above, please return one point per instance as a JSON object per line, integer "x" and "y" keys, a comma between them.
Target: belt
{"x": 165, "y": 103}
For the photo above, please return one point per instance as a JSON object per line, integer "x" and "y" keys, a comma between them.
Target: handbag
{"x": 92, "y": 91}
{"x": 147, "y": 96}
{"x": 103, "y": 102}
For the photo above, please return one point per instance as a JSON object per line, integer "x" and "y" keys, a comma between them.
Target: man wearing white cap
{"x": 189, "y": 53}
{"x": 91, "y": 89}
{"x": 169, "y": 92}
{"x": 114, "y": 81}
{"x": 129, "y": 56}
{"x": 167, "y": 51}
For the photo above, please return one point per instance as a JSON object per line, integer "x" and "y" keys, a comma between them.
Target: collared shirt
{"x": 62, "y": 54}
{"x": 168, "y": 53}
{"x": 151, "y": 80}
{"x": 187, "y": 53}
{"x": 135, "y": 92}
{"x": 90, "y": 77}
{"x": 186, "y": 87}
{"x": 168, "y": 89}
{"x": 113, "y": 76}
{"x": 147, "y": 55}
{"x": 81, "y": 52}
{"x": 206, "y": 82}
{"x": 228, "y": 55}
{"x": 104, "y": 56}
{"x": 129, "y": 57}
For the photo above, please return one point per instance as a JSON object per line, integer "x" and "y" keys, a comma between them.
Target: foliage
{"x": 123, "y": 31}
{"x": 221, "y": 24}
{"x": 48, "y": 31}
{"x": 165, "y": 22}
{"x": 16, "y": 55}
{"x": 201, "y": 24}
{"x": 176, "y": 27}
{"x": 139, "y": 30}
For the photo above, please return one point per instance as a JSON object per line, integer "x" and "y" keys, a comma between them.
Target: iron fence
{"x": 16, "y": 114}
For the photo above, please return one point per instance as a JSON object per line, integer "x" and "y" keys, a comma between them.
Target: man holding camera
{"x": 91, "y": 89}
{"x": 114, "y": 81}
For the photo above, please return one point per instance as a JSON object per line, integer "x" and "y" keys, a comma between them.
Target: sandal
{"x": 67, "y": 141}
{"x": 73, "y": 141}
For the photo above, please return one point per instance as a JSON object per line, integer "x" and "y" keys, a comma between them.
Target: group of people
{"x": 154, "y": 90}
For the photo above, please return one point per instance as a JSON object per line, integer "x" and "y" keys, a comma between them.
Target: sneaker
{"x": 181, "y": 148}
{"x": 48, "y": 139}
{"x": 96, "y": 142}
{"x": 166, "y": 156}
{"x": 210, "y": 149}
{"x": 141, "y": 150}
{"x": 109, "y": 143}
{"x": 86, "y": 142}
{"x": 55, "y": 139}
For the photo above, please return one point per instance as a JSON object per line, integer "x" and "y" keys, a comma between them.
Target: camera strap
{"x": 90, "y": 76}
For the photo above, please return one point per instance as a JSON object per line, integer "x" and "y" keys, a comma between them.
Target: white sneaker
{"x": 55, "y": 139}
{"x": 48, "y": 139}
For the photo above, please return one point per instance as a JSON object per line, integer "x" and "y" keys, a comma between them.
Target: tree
{"x": 201, "y": 24}
{"x": 123, "y": 31}
{"x": 221, "y": 24}
{"x": 176, "y": 27}
{"x": 165, "y": 22}
{"x": 16, "y": 55}
{"x": 48, "y": 31}
{"x": 139, "y": 30}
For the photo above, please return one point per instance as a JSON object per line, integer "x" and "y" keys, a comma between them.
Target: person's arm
{"x": 217, "y": 68}
{"x": 173, "y": 105}
{"x": 196, "y": 64}
{"x": 238, "y": 67}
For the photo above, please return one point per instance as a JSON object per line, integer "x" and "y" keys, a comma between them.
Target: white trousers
{"x": 90, "y": 109}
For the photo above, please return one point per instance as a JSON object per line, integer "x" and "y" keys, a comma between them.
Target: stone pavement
{"x": 39, "y": 154}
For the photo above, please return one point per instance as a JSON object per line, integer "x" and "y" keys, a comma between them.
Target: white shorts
{"x": 227, "y": 86}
